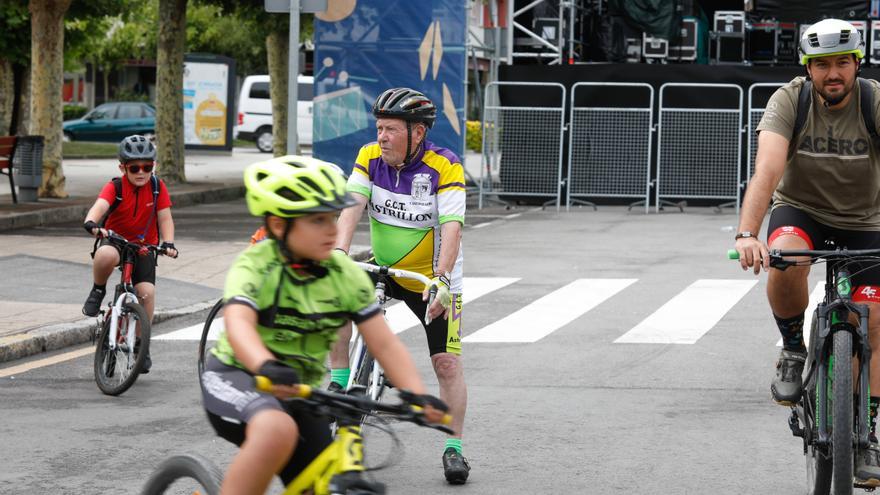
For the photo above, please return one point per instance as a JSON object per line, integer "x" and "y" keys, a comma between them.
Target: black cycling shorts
{"x": 144, "y": 266}
{"x": 788, "y": 220}
{"x": 231, "y": 399}
{"x": 444, "y": 335}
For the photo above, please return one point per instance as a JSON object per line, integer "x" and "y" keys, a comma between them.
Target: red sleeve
{"x": 164, "y": 199}
{"x": 108, "y": 192}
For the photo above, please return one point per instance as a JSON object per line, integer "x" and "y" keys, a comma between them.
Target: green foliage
{"x": 109, "y": 40}
{"x": 85, "y": 149}
{"x": 124, "y": 94}
{"x": 474, "y": 135}
{"x": 210, "y": 30}
{"x": 74, "y": 111}
{"x": 15, "y": 31}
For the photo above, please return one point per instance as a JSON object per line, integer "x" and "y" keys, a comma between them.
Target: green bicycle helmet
{"x": 292, "y": 186}
{"x": 831, "y": 37}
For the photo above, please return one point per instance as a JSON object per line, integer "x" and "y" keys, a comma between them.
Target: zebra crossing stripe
{"x": 816, "y": 297}
{"x": 551, "y": 312}
{"x": 399, "y": 316}
{"x": 690, "y": 314}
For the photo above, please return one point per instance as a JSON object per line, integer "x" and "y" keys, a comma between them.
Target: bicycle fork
{"x": 130, "y": 330}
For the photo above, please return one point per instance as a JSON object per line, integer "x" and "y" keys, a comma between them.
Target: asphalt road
{"x": 556, "y": 404}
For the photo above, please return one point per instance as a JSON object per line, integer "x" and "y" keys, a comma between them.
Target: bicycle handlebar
{"x": 777, "y": 256}
{"x": 360, "y": 404}
{"x": 114, "y": 237}
{"x": 396, "y": 272}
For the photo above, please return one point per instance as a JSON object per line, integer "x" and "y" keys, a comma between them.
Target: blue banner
{"x": 368, "y": 46}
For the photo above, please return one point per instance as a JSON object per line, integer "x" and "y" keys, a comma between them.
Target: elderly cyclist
{"x": 415, "y": 194}
{"x": 825, "y": 184}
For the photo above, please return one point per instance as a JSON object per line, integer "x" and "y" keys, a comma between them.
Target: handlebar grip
{"x": 732, "y": 254}
{"x": 264, "y": 384}
{"x": 447, "y": 418}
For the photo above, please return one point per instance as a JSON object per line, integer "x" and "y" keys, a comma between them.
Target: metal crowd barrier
{"x": 522, "y": 146}
{"x": 699, "y": 149}
{"x": 609, "y": 148}
{"x": 755, "y": 113}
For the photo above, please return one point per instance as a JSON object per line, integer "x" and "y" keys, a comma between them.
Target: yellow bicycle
{"x": 337, "y": 470}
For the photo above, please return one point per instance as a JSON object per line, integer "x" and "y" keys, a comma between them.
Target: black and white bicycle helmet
{"x": 136, "y": 147}
{"x": 406, "y": 104}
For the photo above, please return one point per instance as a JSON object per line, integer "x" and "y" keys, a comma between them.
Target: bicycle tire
{"x": 186, "y": 466}
{"x": 203, "y": 341}
{"x": 842, "y": 415}
{"x": 817, "y": 460}
{"x": 111, "y": 378}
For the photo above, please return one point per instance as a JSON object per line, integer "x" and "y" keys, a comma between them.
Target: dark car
{"x": 112, "y": 122}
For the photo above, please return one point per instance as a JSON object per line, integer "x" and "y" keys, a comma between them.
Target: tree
{"x": 169, "y": 89}
{"x": 47, "y": 74}
{"x": 14, "y": 57}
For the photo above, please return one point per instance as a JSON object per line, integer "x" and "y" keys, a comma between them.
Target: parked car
{"x": 112, "y": 122}
{"x": 255, "y": 112}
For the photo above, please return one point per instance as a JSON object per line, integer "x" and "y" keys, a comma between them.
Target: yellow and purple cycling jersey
{"x": 407, "y": 207}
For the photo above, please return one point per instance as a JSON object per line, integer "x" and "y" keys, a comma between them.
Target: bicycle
{"x": 123, "y": 340}
{"x": 338, "y": 469}
{"x": 825, "y": 417}
{"x": 365, "y": 370}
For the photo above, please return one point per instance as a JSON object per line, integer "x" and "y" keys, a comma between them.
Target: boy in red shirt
{"x": 136, "y": 218}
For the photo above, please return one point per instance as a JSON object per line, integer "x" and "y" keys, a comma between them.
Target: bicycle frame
{"x": 125, "y": 292}
{"x": 344, "y": 455}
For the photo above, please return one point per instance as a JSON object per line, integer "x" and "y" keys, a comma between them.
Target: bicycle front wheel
{"x": 203, "y": 341}
{"x": 192, "y": 471}
{"x": 818, "y": 459}
{"x": 842, "y": 415}
{"x": 117, "y": 369}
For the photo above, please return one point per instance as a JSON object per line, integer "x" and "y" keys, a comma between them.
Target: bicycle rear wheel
{"x": 366, "y": 376}
{"x": 116, "y": 370}
{"x": 203, "y": 472}
{"x": 203, "y": 341}
{"x": 842, "y": 414}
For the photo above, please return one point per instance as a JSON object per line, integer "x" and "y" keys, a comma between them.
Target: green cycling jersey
{"x": 297, "y": 315}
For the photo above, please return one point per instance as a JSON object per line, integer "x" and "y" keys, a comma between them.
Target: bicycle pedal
{"x": 795, "y": 425}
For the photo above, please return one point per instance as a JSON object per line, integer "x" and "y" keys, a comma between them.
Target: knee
{"x": 446, "y": 365}
{"x": 272, "y": 432}
{"x": 146, "y": 291}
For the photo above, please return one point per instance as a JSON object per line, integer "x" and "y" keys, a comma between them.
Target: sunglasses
{"x": 137, "y": 168}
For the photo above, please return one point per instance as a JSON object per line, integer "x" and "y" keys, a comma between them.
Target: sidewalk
{"x": 41, "y": 293}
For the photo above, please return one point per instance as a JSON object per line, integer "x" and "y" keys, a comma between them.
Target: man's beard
{"x": 831, "y": 100}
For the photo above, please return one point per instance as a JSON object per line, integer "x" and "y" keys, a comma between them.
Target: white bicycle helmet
{"x": 831, "y": 37}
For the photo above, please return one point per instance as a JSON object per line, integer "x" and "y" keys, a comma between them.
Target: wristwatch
{"x": 744, "y": 234}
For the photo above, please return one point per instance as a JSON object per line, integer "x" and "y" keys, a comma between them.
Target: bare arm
{"x": 241, "y": 330}
{"x": 769, "y": 166}
{"x": 348, "y": 221}
{"x": 166, "y": 230}
{"x": 97, "y": 211}
{"x": 450, "y": 242}
{"x": 391, "y": 354}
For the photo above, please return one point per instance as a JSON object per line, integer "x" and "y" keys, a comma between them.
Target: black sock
{"x": 792, "y": 330}
{"x": 102, "y": 288}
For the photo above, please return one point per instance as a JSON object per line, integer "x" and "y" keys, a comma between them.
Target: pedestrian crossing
{"x": 683, "y": 319}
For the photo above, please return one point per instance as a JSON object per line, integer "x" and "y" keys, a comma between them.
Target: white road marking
{"x": 690, "y": 314}
{"x": 545, "y": 315}
{"x": 399, "y": 316}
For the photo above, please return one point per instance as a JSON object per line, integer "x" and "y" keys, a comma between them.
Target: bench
{"x": 7, "y": 150}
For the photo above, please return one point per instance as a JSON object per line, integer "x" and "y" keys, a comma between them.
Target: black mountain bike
{"x": 831, "y": 423}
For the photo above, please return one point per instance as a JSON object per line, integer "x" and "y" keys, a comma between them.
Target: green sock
{"x": 455, "y": 443}
{"x": 340, "y": 376}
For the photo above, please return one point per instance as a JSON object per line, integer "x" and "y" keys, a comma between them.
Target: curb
{"x": 221, "y": 192}
{"x": 61, "y": 335}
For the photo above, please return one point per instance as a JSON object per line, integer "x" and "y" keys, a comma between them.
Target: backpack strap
{"x": 867, "y": 107}
{"x": 154, "y": 184}
{"x": 117, "y": 185}
{"x": 805, "y": 98}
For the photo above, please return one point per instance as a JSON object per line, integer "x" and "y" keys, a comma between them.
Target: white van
{"x": 255, "y": 112}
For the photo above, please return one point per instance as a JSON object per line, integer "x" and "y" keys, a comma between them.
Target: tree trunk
{"x": 169, "y": 89}
{"x": 7, "y": 95}
{"x": 105, "y": 76}
{"x": 23, "y": 124}
{"x": 277, "y": 54}
{"x": 47, "y": 76}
